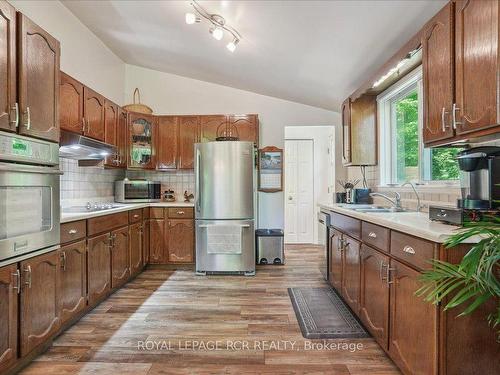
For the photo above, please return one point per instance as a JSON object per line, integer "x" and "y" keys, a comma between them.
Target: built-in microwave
{"x": 137, "y": 191}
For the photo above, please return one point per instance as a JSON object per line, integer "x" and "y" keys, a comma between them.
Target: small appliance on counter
{"x": 479, "y": 185}
{"x": 137, "y": 191}
{"x": 169, "y": 195}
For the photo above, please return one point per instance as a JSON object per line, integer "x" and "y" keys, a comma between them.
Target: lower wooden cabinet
{"x": 120, "y": 264}
{"x": 99, "y": 270}
{"x": 73, "y": 286}
{"x": 350, "y": 272}
{"x": 336, "y": 259}
{"x": 135, "y": 248}
{"x": 40, "y": 303}
{"x": 374, "y": 294}
{"x": 145, "y": 241}
{"x": 9, "y": 288}
{"x": 413, "y": 325}
{"x": 157, "y": 246}
{"x": 180, "y": 241}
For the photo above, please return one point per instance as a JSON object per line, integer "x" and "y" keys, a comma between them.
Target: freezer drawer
{"x": 225, "y": 246}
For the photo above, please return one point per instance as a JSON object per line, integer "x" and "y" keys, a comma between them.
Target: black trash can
{"x": 270, "y": 246}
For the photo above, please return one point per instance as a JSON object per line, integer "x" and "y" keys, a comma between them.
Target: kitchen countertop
{"x": 67, "y": 217}
{"x": 411, "y": 222}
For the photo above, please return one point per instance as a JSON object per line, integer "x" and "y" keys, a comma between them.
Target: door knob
{"x": 290, "y": 198}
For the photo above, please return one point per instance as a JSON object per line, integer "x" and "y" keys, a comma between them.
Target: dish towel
{"x": 224, "y": 239}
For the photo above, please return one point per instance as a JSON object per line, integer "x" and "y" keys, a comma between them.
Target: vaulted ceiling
{"x": 311, "y": 52}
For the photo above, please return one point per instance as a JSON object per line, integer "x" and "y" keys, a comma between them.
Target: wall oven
{"x": 29, "y": 195}
{"x": 137, "y": 191}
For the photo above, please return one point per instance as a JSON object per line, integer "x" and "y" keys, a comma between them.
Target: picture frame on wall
{"x": 270, "y": 169}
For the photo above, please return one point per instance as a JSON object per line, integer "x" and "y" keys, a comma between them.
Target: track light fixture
{"x": 218, "y": 25}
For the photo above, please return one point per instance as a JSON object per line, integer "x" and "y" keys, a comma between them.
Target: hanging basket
{"x": 137, "y": 106}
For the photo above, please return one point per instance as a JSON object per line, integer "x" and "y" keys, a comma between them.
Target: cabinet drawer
{"x": 415, "y": 251}
{"x": 375, "y": 235}
{"x": 73, "y": 231}
{"x": 106, "y": 223}
{"x": 156, "y": 213}
{"x": 135, "y": 216}
{"x": 347, "y": 224}
{"x": 180, "y": 213}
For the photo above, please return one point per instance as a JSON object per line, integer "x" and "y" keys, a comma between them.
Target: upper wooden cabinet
{"x": 212, "y": 126}
{"x": 438, "y": 77}
{"x": 166, "y": 140}
{"x": 38, "y": 81}
{"x": 9, "y": 111}
{"x": 93, "y": 114}
{"x": 122, "y": 138}
{"x": 110, "y": 130}
{"x": 346, "y": 131}
{"x": 71, "y": 104}
{"x": 246, "y": 126}
{"x": 141, "y": 145}
{"x": 188, "y": 136}
{"x": 9, "y": 288}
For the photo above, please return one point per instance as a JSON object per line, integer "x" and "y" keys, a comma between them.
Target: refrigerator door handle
{"x": 198, "y": 180}
{"x": 214, "y": 225}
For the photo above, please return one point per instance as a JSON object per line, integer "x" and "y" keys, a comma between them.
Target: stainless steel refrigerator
{"x": 225, "y": 207}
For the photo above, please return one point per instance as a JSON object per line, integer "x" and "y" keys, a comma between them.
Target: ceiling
{"x": 311, "y": 52}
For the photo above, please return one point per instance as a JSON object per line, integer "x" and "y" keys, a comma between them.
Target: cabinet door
{"x": 166, "y": 155}
{"x": 38, "y": 81}
{"x": 71, "y": 104}
{"x": 110, "y": 130}
{"x": 247, "y": 127}
{"x": 181, "y": 241}
{"x": 374, "y": 294}
{"x": 413, "y": 324}
{"x": 99, "y": 267}
{"x": 120, "y": 258}
{"x": 336, "y": 260}
{"x": 437, "y": 62}
{"x": 136, "y": 259}
{"x": 122, "y": 137}
{"x": 40, "y": 302}
{"x": 363, "y": 131}
{"x": 8, "y": 96}
{"x": 346, "y": 131}
{"x": 94, "y": 114}
{"x": 350, "y": 273}
{"x": 188, "y": 136}
{"x": 476, "y": 64}
{"x": 73, "y": 294}
{"x": 142, "y": 133}
{"x": 211, "y": 126}
{"x": 145, "y": 241}
{"x": 9, "y": 288}
{"x": 157, "y": 244}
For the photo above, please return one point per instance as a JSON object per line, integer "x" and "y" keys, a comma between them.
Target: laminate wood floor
{"x": 174, "y": 322}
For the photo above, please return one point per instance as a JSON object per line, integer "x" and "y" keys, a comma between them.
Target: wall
{"x": 172, "y": 94}
{"x": 83, "y": 55}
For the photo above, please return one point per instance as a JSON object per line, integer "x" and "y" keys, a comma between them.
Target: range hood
{"x": 78, "y": 147}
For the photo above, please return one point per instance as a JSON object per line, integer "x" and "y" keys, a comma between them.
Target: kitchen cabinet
{"x": 180, "y": 240}
{"x": 141, "y": 145}
{"x": 93, "y": 114}
{"x": 110, "y": 129}
{"x": 374, "y": 294}
{"x": 346, "y": 131}
{"x": 336, "y": 239}
{"x": 188, "y": 136}
{"x": 211, "y": 126}
{"x": 146, "y": 240}
{"x": 168, "y": 132}
{"x": 10, "y": 285}
{"x": 9, "y": 110}
{"x": 247, "y": 127}
{"x": 350, "y": 272}
{"x": 71, "y": 116}
{"x": 122, "y": 138}
{"x": 99, "y": 268}
{"x": 362, "y": 131}
{"x": 73, "y": 286}
{"x": 158, "y": 253}
{"x": 438, "y": 77}
{"x": 40, "y": 300}
{"x": 136, "y": 256}
{"x": 413, "y": 323}
{"x": 477, "y": 86}
{"x": 120, "y": 258}
{"x": 38, "y": 81}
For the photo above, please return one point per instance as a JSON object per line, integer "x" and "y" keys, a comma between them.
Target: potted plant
{"x": 475, "y": 280}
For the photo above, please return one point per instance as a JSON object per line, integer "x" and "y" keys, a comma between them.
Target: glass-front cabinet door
{"x": 141, "y": 151}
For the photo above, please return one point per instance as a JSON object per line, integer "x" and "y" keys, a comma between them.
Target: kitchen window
{"x": 403, "y": 156}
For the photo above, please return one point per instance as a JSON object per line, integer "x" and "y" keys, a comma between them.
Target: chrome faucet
{"x": 419, "y": 206}
{"x": 396, "y": 202}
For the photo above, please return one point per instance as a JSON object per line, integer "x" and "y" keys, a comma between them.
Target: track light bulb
{"x": 231, "y": 46}
{"x": 217, "y": 33}
{"x": 191, "y": 18}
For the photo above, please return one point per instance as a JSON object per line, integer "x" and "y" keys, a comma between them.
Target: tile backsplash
{"x": 97, "y": 183}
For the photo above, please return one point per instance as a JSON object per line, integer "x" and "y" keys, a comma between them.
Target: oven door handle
{"x": 11, "y": 167}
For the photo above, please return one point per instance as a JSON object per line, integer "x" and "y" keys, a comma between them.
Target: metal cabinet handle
{"x": 454, "y": 116}
{"x": 72, "y": 231}
{"x": 83, "y": 124}
{"x": 388, "y": 276}
{"x": 63, "y": 260}
{"x": 27, "y": 271}
{"x": 88, "y": 126}
{"x": 372, "y": 235}
{"x": 27, "y": 124}
{"x": 136, "y": 216}
{"x": 15, "y": 108}
{"x": 409, "y": 250}
{"x": 17, "y": 286}
{"x": 180, "y": 212}
{"x": 443, "y": 122}
{"x": 381, "y": 270}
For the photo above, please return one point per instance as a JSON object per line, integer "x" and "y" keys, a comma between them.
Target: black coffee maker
{"x": 480, "y": 178}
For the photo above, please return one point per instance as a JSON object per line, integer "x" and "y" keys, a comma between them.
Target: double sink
{"x": 370, "y": 208}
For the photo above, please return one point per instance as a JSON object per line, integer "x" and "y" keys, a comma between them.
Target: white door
{"x": 299, "y": 191}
